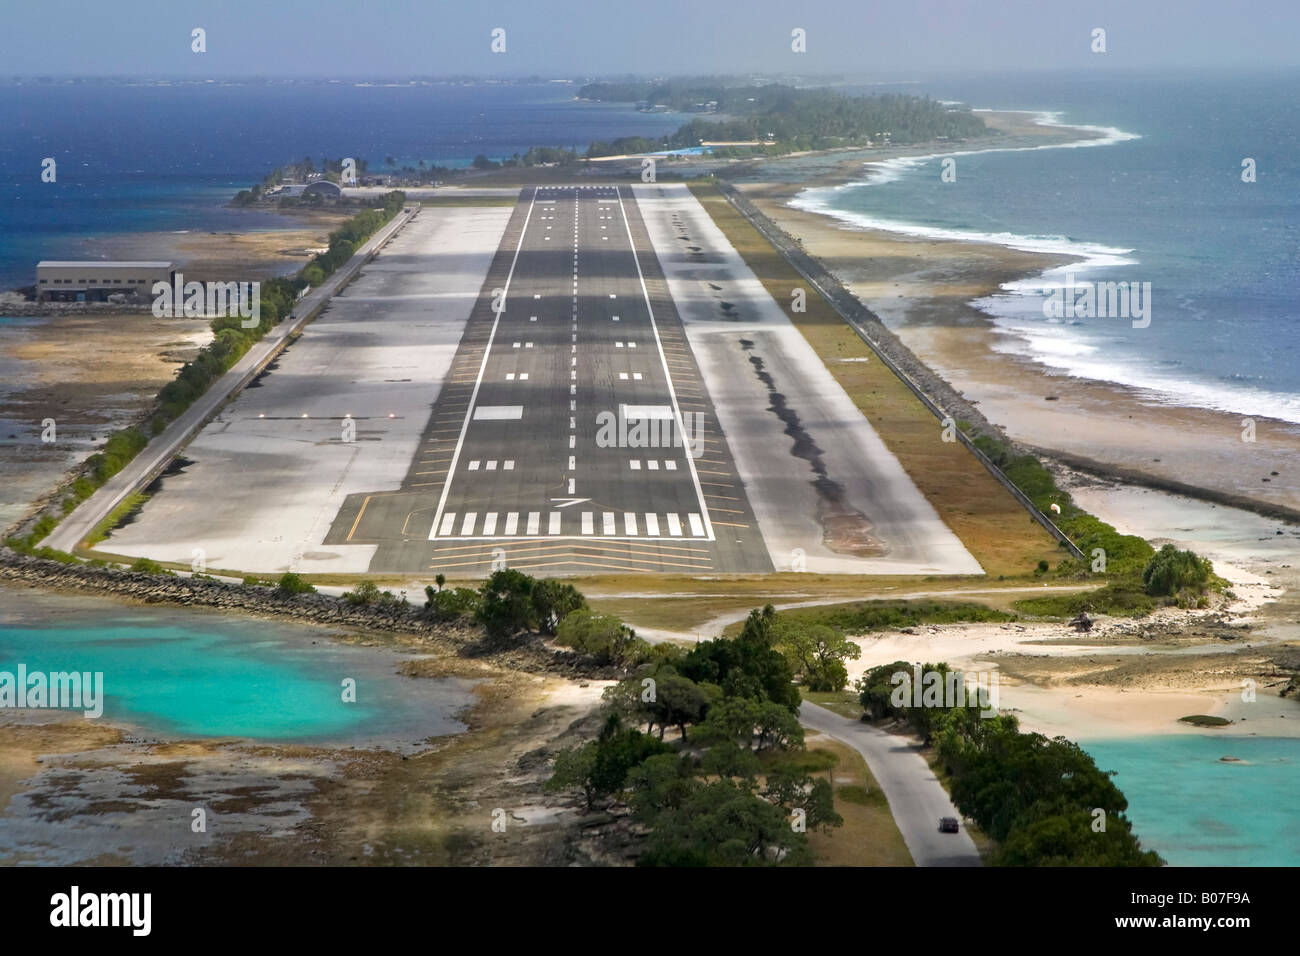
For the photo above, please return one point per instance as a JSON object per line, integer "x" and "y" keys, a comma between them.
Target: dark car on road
{"x": 947, "y": 824}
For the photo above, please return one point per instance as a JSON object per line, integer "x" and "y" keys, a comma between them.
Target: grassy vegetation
{"x": 469, "y": 201}
{"x": 367, "y": 593}
{"x": 29, "y": 547}
{"x": 147, "y": 566}
{"x": 115, "y": 517}
{"x": 291, "y": 585}
{"x": 1205, "y": 720}
{"x": 862, "y": 617}
{"x": 869, "y": 836}
{"x": 843, "y": 702}
{"x": 994, "y": 527}
{"x": 1121, "y": 599}
{"x": 1124, "y": 554}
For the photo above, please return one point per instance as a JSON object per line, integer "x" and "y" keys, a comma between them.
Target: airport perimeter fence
{"x": 857, "y": 316}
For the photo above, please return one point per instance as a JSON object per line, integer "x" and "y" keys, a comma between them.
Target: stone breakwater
{"x": 463, "y": 638}
{"x": 23, "y": 309}
{"x": 219, "y": 595}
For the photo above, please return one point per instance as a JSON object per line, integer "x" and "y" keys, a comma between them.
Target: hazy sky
{"x": 575, "y": 37}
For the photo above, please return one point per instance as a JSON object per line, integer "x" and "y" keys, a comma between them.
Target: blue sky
{"x": 569, "y": 37}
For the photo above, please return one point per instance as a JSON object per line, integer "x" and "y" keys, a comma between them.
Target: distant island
{"x": 776, "y": 118}
{"x": 746, "y": 121}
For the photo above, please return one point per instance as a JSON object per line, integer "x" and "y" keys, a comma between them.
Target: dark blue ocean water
{"x": 167, "y": 158}
{"x": 1162, "y": 203}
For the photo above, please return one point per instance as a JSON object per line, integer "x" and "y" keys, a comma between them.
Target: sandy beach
{"x": 921, "y": 289}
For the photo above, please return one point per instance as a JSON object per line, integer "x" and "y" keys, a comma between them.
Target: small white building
{"x": 95, "y": 281}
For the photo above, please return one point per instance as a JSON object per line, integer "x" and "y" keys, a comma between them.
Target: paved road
{"x": 574, "y": 433}
{"x": 163, "y": 448}
{"x": 916, "y": 798}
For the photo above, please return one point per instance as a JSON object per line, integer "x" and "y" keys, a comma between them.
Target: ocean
{"x": 154, "y": 158}
{"x": 1196, "y": 810}
{"x": 1158, "y": 199}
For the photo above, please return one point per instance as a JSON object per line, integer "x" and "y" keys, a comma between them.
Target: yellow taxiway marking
{"x": 359, "y": 514}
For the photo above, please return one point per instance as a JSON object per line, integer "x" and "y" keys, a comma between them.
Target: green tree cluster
{"x": 728, "y": 790}
{"x": 1044, "y": 801}
{"x": 1174, "y": 573}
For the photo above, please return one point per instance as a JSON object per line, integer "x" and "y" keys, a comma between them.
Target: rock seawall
{"x": 219, "y": 595}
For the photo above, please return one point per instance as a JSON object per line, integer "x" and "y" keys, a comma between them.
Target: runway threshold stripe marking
{"x": 487, "y": 352}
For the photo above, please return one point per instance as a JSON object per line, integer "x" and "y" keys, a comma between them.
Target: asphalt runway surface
{"x": 574, "y": 433}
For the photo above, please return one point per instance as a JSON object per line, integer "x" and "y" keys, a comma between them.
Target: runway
{"x": 574, "y": 432}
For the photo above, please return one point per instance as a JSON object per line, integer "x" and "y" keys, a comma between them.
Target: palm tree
{"x": 440, "y": 580}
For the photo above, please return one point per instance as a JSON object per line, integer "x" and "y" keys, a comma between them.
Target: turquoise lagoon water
{"x": 1195, "y": 810}
{"x": 187, "y": 673}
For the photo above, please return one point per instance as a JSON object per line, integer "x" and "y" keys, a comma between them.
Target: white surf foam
{"x": 1017, "y": 310}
